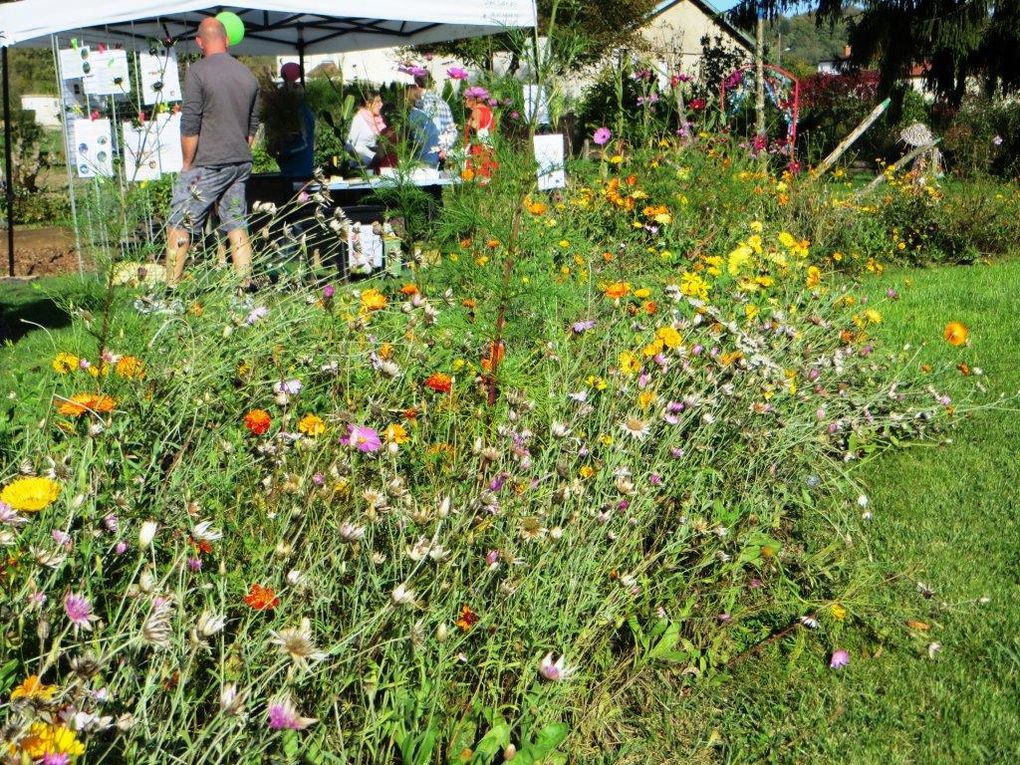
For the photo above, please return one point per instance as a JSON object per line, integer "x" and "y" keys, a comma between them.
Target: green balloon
{"x": 234, "y": 26}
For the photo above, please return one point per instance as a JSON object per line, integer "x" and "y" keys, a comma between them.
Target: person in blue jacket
{"x": 296, "y": 156}
{"x": 423, "y": 135}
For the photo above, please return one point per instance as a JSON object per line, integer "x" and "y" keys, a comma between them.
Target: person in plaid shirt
{"x": 439, "y": 112}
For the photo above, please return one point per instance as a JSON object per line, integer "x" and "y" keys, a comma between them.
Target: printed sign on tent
{"x": 161, "y": 80}
{"x": 108, "y": 74}
{"x": 549, "y": 155}
{"x": 93, "y": 148}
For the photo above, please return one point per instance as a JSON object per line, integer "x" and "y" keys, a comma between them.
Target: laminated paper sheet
{"x": 161, "y": 80}
{"x": 93, "y": 148}
{"x": 108, "y": 75}
{"x": 549, "y": 155}
{"x": 141, "y": 153}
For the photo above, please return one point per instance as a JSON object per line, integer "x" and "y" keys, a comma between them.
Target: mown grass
{"x": 947, "y": 516}
{"x": 943, "y": 515}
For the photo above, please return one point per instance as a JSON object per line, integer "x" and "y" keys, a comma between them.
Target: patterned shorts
{"x": 198, "y": 189}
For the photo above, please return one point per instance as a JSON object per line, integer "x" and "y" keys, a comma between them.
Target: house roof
{"x": 710, "y": 10}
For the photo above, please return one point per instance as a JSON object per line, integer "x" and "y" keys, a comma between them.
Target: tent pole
{"x": 8, "y": 162}
{"x": 301, "y": 53}
{"x": 55, "y": 44}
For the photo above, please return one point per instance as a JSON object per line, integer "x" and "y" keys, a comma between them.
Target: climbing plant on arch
{"x": 782, "y": 89}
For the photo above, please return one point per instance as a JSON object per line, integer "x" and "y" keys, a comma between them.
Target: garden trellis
{"x": 271, "y": 27}
{"x": 782, "y": 88}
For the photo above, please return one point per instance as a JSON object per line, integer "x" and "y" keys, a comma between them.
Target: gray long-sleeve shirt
{"x": 220, "y": 97}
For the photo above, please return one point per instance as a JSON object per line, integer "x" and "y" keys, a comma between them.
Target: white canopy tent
{"x": 272, "y": 27}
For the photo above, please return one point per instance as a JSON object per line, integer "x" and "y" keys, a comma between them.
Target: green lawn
{"x": 947, "y": 516}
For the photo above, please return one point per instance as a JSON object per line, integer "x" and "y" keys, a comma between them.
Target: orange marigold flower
{"x": 409, "y": 289}
{"x": 964, "y": 369}
{"x": 467, "y": 618}
{"x": 537, "y": 208}
{"x": 468, "y": 302}
{"x": 373, "y": 300}
{"x": 130, "y": 367}
{"x": 262, "y": 598}
{"x": 33, "y": 688}
{"x": 311, "y": 425}
{"x": 80, "y": 403}
{"x": 410, "y": 414}
{"x": 956, "y": 333}
{"x": 492, "y": 244}
{"x": 651, "y": 307}
{"x": 467, "y": 174}
{"x": 257, "y": 421}
{"x": 616, "y": 290}
{"x": 439, "y": 382}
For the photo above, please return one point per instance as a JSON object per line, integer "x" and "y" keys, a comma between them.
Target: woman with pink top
{"x": 366, "y": 127}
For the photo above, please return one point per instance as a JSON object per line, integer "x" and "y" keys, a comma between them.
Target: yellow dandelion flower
{"x": 30, "y": 493}
{"x": 396, "y": 434}
{"x": 64, "y": 363}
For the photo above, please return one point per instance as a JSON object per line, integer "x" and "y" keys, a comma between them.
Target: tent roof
{"x": 271, "y": 26}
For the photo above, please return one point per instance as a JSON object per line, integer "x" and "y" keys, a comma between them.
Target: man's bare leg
{"x": 240, "y": 251}
{"x": 177, "y": 242}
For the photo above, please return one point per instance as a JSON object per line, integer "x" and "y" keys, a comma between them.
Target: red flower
{"x": 697, "y": 104}
{"x": 440, "y": 383}
{"x": 257, "y": 421}
{"x": 262, "y": 598}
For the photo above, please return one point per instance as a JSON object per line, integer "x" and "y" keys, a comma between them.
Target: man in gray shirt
{"x": 218, "y": 124}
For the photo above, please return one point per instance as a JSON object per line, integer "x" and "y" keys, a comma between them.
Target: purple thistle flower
{"x": 283, "y": 716}
{"x": 840, "y": 658}
{"x": 259, "y": 313}
{"x": 121, "y": 547}
{"x": 476, "y": 91}
{"x": 601, "y": 136}
{"x": 79, "y": 611}
{"x": 112, "y": 523}
{"x": 194, "y": 564}
{"x": 56, "y": 758}
{"x": 456, "y": 73}
{"x": 328, "y": 292}
{"x": 362, "y": 438}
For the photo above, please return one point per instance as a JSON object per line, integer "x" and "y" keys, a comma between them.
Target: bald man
{"x": 218, "y": 124}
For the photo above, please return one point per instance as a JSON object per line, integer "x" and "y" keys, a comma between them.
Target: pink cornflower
{"x": 456, "y": 73}
{"x": 840, "y": 658}
{"x": 79, "y": 611}
{"x": 477, "y": 91}
{"x": 554, "y": 670}
{"x": 582, "y": 326}
{"x": 283, "y": 716}
{"x": 362, "y": 438}
{"x": 601, "y": 136}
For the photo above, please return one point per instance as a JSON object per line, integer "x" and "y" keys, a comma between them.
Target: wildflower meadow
{"x": 460, "y": 513}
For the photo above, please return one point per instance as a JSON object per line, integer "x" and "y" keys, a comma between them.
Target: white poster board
{"x": 168, "y": 131}
{"x": 93, "y": 148}
{"x": 141, "y": 153}
{"x": 161, "y": 80}
{"x": 108, "y": 74}
{"x": 73, "y": 61}
{"x": 549, "y": 155}
{"x": 536, "y": 105}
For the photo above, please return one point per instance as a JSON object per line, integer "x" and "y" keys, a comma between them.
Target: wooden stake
{"x": 847, "y": 142}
